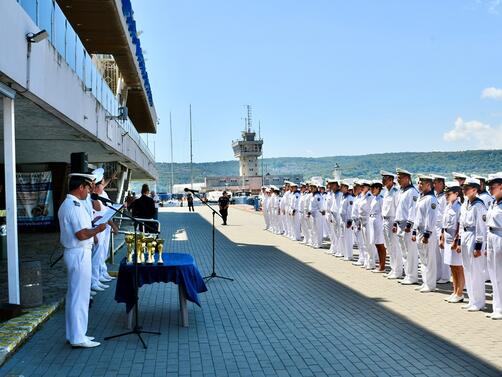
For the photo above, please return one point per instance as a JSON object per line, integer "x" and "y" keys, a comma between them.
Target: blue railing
{"x": 48, "y": 15}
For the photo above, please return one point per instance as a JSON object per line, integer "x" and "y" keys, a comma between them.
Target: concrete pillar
{"x": 9, "y": 137}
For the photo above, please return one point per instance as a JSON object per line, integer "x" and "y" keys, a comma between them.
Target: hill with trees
{"x": 368, "y": 166}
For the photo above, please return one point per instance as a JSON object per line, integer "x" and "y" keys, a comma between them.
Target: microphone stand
{"x": 137, "y": 329}
{"x": 213, "y": 274}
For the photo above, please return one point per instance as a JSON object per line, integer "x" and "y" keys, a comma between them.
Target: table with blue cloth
{"x": 177, "y": 268}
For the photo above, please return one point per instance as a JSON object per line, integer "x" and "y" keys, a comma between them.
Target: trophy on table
{"x": 129, "y": 240}
{"x": 140, "y": 246}
{"x": 160, "y": 247}
{"x": 150, "y": 247}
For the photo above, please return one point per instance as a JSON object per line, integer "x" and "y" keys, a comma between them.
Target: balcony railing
{"x": 48, "y": 15}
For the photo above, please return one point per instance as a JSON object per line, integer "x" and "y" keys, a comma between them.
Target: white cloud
{"x": 474, "y": 132}
{"x": 492, "y": 92}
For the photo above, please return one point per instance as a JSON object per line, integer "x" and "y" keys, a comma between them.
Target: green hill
{"x": 480, "y": 161}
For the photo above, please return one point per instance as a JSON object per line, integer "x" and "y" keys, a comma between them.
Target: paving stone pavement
{"x": 292, "y": 311}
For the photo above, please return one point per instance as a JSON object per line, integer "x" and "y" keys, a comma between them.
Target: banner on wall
{"x": 34, "y": 199}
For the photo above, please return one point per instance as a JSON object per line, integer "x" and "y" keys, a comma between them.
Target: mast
{"x": 191, "y": 154}
{"x": 259, "y": 138}
{"x": 172, "y": 153}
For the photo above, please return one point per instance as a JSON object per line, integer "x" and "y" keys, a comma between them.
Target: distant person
{"x": 144, "y": 206}
{"x": 224, "y": 202}
{"x": 190, "y": 203}
{"x": 156, "y": 201}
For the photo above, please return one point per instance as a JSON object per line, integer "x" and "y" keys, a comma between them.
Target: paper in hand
{"x": 108, "y": 214}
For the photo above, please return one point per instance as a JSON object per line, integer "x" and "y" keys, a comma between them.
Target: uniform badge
{"x": 484, "y": 218}
{"x": 77, "y": 204}
{"x": 351, "y": 203}
{"x": 433, "y": 205}
{"x": 415, "y": 198}
{"x": 318, "y": 199}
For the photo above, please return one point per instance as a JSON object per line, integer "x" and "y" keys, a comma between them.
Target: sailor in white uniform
{"x": 317, "y": 214}
{"x": 424, "y": 233}
{"x": 389, "y": 206}
{"x": 405, "y": 216}
{"x": 264, "y": 200}
{"x": 356, "y": 226}
{"x": 303, "y": 208}
{"x": 77, "y": 235}
{"x": 364, "y": 216}
{"x": 376, "y": 225}
{"x": 335, "y": 211}
{"x": 487, "y": 199}
{"x": 494, "y": 243}
{"x": 443, "y": 270}
{"x": 345, "y": 216}
{"x": 473, "y": 243}
{"x": 448, "y": 241}
{"x": 295, "y": 213}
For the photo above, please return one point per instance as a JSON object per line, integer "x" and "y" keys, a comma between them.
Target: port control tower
{"x": 248, "y": 149}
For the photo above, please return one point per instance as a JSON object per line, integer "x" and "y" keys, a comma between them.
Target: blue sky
{"x": 325, "y": 77}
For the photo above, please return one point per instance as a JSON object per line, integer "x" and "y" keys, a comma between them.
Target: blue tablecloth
{"x": 177, "y": 268}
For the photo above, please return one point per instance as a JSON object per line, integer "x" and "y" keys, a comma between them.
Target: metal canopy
{"x": 102, "y": 30}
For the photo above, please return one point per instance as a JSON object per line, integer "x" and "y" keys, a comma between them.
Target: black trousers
{"x": 224, "y": 214}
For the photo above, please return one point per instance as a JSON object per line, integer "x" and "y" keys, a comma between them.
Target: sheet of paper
{"x": 109, "y": 213}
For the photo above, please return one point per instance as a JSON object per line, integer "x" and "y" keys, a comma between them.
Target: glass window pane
{"x": 80, "y": 58}
{"x": 59, "y": 30}
{"x": 45, "y": 10}
{"x": 30, "y": 6}
{"x": 70, "y": 46}
{"x": 88, "y": 71}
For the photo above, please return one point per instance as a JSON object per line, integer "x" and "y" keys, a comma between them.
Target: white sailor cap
{"x": 351, "y": 187}
{"x": 403, "y": 171}
{"x": 376, "y": 182}
{"x": 452, "y": 186}
{"x": 437, "y": 176}
{"x": 495, "y": 178}
{"x": 425, "y": 177}
{"x": 274, "y": 188}
{"x": 459, "y": 175}
{"x": 331, "y": 180}
{"x": 303, "y": 183}
{"x": 344, "y": 183}
{"x": 472, "y": 182}
{"x": 294, "y": 184}
{"x": 479, "y": 176}
{"x": 287, "y": 182}
{"x": 321, "y": 186}
{"x": 263, "y": 187}
{"x": 313, "y": 183}
{"x": 267, "y": 189}
{"x": 98, "y": 174}
{"x": 85, "y": 177}
{"x": 385, "y": 173}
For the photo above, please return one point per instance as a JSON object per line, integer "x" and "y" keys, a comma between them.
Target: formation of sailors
{"x": 453, "y": 228}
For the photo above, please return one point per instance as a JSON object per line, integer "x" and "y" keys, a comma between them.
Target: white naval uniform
{"x": 358, "y": 236}
{"x": 303, "y": 209}
{"x": 364, "y": 215}
{"x": 443, "y": 270}
{"x": 472, "y": 236}
{"x": 345, "y": 215}
{"x": 296, "y": 216}
{"x": 327, "y": 229}
{"x": 265, "y": 199}
{"x": 330, "y": 220}
{"x": 389, "y": 205}
{"x": 450, "y": 224}
{"x": 336, "y": 246}
{"x": 73, "y": 217}
{"x": 488, "y": 200}
{"x": 104, "y": 246}
{"x": 276, "y": 220}
{"x": 284, "y": 206}
{"x": 96, "y": 251}
{"x": 376, "y": 221}
{"x": 405, "y": 215}
{"x": 315, "y": 208}
{"x": 494, "y": 252}
{"x": 425, "y": 228}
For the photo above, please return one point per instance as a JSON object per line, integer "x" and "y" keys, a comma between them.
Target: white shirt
{"x": 472, "y": 219}
{"x": 450, "y": 219}
{"x": 426, "y": 214}
{"x": 494, "y": 216}
{"x": 345, "y": 210}
{"x": 406, "y": 205}
{"x": 73, "y": 217}
{"x": 389, "y": 203}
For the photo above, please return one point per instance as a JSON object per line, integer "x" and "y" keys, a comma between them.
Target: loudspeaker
{"x": 79, "y": 162}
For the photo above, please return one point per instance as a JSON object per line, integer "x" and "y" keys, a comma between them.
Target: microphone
{"x": 191, "y": 190}
{"x": 102, "y": 199}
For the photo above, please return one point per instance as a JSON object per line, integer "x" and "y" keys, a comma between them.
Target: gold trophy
{"x": 129, "y": 240}
{"x": 160, "y": 247}
{"x": 140, "y": 246}
{"x": 150, "y": 248}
